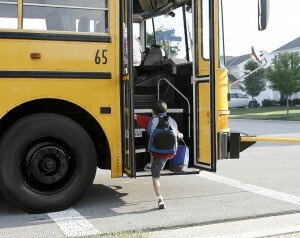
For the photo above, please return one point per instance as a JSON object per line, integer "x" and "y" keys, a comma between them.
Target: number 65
{"x": 103, "y": 57}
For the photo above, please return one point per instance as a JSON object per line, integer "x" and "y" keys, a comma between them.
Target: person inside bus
{"x": 102, "y": 24}
{"x": 157, "y": 161}
{"x": 137, "y": 52}
{"x": 84, "y": 24}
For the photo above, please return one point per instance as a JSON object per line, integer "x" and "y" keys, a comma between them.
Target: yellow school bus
{"x": 67, "y": 74}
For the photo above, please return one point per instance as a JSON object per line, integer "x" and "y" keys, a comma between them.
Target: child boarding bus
{"x": 67, "y": 76}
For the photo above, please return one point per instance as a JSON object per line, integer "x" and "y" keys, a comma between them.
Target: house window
{"x": 74, "y": 16}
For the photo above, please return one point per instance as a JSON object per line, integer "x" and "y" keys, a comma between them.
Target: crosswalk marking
{"x": 73, "y": 224}
{"x": 251, "y": 188}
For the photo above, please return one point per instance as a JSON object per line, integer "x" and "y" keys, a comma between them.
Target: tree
{"x": 284, "y": 75}
{"x": 254, "y": 83}
{"x": 166, "y": 46}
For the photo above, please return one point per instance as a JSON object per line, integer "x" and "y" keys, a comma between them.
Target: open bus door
{"x": 129, "y": 167}
{"x": 205, "y": 137}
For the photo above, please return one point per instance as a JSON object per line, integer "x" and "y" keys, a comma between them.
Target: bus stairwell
{"x": 162, "y": 86}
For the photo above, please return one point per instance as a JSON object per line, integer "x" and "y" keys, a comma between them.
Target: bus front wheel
{"x": 47, "y": 161}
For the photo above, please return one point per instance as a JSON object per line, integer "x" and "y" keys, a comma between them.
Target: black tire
{"x": 251, "y": 104}
{"x": 47, "y": 161}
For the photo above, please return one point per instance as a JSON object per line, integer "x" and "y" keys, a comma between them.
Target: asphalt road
{"x": 113, "y": 205}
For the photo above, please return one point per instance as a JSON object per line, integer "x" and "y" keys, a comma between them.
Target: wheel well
{"x": 70, "y": 110}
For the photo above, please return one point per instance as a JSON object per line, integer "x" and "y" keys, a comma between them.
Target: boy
{"x": 157, "y": 161}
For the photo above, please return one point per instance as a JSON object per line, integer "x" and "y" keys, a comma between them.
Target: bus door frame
{"x": 127, "y": 90}
{"x": 204, "y": 79}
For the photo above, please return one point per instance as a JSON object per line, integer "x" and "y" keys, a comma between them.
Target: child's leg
{"x": 156, "y": 168}
{"x": 156, "y": 185}
{"x": 151, "y": 159}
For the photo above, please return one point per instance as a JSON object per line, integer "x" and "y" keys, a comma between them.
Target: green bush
{"x": 282, "y": 102}
{"x": 269, "y": 103}
{"x": 296, "y": 101}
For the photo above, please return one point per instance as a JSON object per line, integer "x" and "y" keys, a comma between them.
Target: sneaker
{"x": 160, "y": 202}
{"x": 147, "y": 167}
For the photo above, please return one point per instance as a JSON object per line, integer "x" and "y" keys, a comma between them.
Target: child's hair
{"x": 159, "y": 107}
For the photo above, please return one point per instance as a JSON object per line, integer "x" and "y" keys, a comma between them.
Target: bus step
{"x": 138, "y": 132}
{"x": 149, "y": 111}
{"x": 140, "y": 150}
{"x": 167, "y": 172}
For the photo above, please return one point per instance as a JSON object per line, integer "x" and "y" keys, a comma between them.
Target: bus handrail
{"x": 181, "y": 94}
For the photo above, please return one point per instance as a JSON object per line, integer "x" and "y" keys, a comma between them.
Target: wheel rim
{"x": 48, "y": 164}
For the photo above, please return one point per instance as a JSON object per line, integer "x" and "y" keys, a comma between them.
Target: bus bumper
{"x": 231, "y": 144}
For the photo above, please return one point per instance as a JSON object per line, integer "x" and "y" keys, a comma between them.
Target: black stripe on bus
{"x": 54, "y": 37}
{"x": 55, "y": 74}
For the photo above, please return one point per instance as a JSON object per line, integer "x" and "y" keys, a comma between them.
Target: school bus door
{"x": 204, "y": 84}
{"x": 129, "y": 167}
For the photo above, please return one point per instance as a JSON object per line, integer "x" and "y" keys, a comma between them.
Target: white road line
{"x": 252, "y": 188}
{"x": 73, "y": 224}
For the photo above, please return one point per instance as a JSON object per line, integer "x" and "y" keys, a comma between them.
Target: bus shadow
{"x": 102, "y": 201}
{"x": 99, "y": 201}
{"x": 11, "y": 217}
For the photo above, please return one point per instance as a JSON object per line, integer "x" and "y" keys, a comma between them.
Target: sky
{"x": 240, "y": 23}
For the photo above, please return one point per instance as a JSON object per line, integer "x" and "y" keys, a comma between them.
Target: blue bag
{"x": 180, "y": 162}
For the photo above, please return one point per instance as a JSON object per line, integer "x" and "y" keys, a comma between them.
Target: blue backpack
{"x": 163, "y": 138}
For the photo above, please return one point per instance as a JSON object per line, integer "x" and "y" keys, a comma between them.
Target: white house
{"x": 236, "y": 70}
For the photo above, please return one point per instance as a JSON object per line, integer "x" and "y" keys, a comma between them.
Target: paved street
{"x": 263, "y": 184}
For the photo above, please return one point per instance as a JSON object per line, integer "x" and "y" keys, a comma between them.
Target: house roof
{"x": 232, "y": 84}
{"x": 242, "y": 58}
{"x": 237, "y": 60}
{"x": 231, "y": 78}
{"x": 292, "y": 44}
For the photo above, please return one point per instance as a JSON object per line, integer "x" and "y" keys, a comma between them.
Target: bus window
{"x": 79, "y": 16}
{"x": 171, "y": 39}
{"x": 136, "y": 30}
{"x": 149, "y": 34}
{"x": 205, "y": 29}
{"x": 8, "y": 14}
{"x": 221, "y": 35}
{"x": 189, "y": 27}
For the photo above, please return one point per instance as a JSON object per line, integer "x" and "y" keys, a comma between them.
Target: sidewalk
{"x": 284, "y": 226}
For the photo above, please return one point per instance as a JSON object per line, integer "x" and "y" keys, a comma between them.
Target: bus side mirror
{"x": 263, "y": 14}
{"x": 262, "y": 57}
{"x": 256, "y": 55}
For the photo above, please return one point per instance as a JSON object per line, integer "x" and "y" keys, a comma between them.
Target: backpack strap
{"x": 150, "y": 125}
{"x": 163, "y": 122}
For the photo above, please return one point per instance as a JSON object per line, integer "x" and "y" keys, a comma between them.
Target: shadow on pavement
{"x": 98, "y": 198}
{"x": 102, "y": 201}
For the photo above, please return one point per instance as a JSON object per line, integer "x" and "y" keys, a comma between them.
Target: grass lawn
{"x": 266, "y": 113}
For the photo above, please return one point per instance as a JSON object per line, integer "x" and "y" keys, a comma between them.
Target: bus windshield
{"x": 171, "y": 39}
